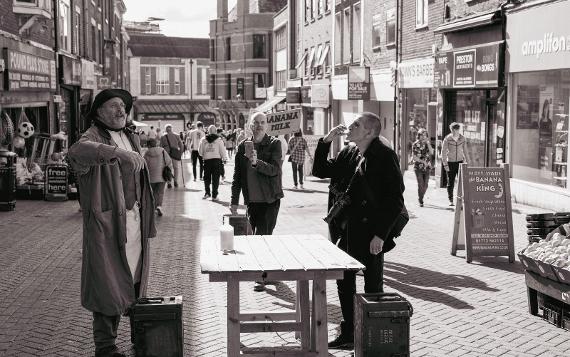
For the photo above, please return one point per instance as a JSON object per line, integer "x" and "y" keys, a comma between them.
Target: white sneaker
{"x": 302, "y": 188}
{"x": 295, "y": 187}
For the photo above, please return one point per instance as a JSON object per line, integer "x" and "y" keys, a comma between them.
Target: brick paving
{"x": 460, "y": 309}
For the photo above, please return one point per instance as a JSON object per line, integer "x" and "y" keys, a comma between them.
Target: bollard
{"x": 7, "y": 180}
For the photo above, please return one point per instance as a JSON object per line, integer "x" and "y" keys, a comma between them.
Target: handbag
{"x": 167, "y": 174}
{"x": 174, "y": 153}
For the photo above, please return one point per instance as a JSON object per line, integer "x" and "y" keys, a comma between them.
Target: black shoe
{"x": 342, "y": 341}
{"x": 451, "y": 203}
{"x": 175, "y": 184}
{"x": 206, "y": 195}
{"x": 111, "y": 351}
{"x": 169, "y": 185}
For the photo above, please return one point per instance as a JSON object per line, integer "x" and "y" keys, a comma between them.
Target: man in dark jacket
{"x": 258, "y": 175}
{"x": 366, "y": 196}
{"x": 118, "y": 216}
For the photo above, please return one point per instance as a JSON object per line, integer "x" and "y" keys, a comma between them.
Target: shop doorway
{"x": 481, "y": 114}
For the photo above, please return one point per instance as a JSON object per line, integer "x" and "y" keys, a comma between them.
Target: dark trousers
{"x": 373, "y": 283}
{"x": 263, "y": 216}
{"x": 297, "y": 168}
{"x": 212, "y": 175}
{"x": 158, "y": 192}
{"x": 222, "y": 169}
{"x": 422, "y": 176}
{"x": 195, "y": 158}
{"x": 104, "y": 331}
{"x": 451, "y": 174}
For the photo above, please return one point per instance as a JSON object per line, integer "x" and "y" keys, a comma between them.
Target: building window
{"x": 259, "y": 46}
{"x": 376, "y": 31}
{"x": 421, "y": 13}
{"x": 147, "y": 80}
{"x": 176, "y": 80}
{"x": 213, "y": 86}
{"x": 308, "y": 10}
{"x": 162, "y": 80}
{"x": 338, "y": 38}
{"x": 314, "y": 9}
{"x": 228, "y": 86}
{"x": 281, "y": 80}
{"x": 356, "y": 30}
{"x": 321, "y": 7}
{"x": 390, "y": 27}
{"x": 346, "y": 36}
{"x": 94, "y": 43}
{"x": 281, "y": 39}
{"x": 212, "y": 50}
{"x": 327, "y": 5}
{"x": 259, "y": 85}
{"x": 76, "y": 32}
{"x": 203, "y": 83}
{"x": 228, "y": 48}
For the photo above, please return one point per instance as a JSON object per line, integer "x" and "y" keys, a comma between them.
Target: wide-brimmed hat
{"x": 107, "y": 94}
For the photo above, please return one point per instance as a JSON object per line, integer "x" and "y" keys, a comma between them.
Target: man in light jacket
{"x": 118, "y": 216}
{"x": 213, "y": 151}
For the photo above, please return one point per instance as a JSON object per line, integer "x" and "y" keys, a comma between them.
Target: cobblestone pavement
{"x": 460, "y": 309}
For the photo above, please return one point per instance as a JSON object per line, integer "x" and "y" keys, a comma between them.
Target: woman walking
{"x": 297, "y": 148}
{"x": 422, "y": 151}
{"x": 157, "y": 159}
{"x": 213, "y": 150}
{"x": 453, "y": 153}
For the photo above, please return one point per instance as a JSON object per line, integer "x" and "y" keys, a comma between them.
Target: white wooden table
{"x": 300, "y": 258}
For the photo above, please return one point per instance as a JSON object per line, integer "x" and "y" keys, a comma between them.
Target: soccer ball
{"x": 26, "y": 130}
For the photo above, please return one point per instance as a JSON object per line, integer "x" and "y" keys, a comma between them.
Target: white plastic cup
{"x": 226, "y": 238}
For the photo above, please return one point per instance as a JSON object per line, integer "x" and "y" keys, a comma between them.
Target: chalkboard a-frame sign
{"x": 483, "y": 224}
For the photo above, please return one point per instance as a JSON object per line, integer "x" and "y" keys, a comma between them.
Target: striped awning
{"x": 157, "y": 106}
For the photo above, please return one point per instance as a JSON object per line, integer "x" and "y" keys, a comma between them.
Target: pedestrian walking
{"x": 365, "y": 198}
{"x": 196, "y": 136}
{"x": 258, "y": 175}
{"x": 173, "y": 145}
{"x": 231, "y": 143}
{"x": 221, "y": 135}
{"x": 118, "y": 216}
{"x": 157, "y": 159}
{"x": 422, "y": 152}
{"x": 297, "y": 148}
{"x": 213, "y": 151}
{"x": 453, "y": 153}
{"x": 152, "y": 133}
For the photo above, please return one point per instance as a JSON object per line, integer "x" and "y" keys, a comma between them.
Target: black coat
{"x": 365, "y": 217}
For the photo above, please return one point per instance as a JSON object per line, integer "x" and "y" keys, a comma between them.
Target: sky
{"x": 183, "y": 18}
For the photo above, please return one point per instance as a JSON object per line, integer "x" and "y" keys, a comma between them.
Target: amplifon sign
{"x": 538, "y": 38}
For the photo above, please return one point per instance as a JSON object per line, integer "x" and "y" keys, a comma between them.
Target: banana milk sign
{"x": 285, "y": 122}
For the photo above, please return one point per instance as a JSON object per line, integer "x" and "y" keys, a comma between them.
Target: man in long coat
{"x": 118, "y": 216}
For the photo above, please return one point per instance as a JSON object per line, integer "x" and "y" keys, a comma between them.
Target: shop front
{"x": 473, "y": 95}
{"x": 178, "y": 113}
{"x": 539, "y": 74}
{"x": 69, "y": 117}
{"x": 419, "y": 102}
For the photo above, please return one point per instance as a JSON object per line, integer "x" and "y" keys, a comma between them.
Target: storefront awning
{"x": 268, "y": 105}
{"x": 470, "y": 22}
{"x": 155, "y": 106}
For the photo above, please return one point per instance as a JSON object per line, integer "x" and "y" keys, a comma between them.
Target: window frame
{"x": 356, "y": 42}
{"x": 228, "y": 48}
{"x": 162, "y": 80}
{"x": 255, "y": 54}
{"x": 346, "y": 42}
{"x": 338, "y": 38}
{"x": 390, "y": 21}
{"x": 422, "y": 22}
{"x": 148, "y": 80}
{"x": 176, "y": 80}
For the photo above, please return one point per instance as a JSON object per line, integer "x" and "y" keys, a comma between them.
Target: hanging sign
{"x": 483, "y": 215}
{"x": 358, "y": 83}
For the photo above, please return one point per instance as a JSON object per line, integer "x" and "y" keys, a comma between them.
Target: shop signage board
{"x": 285, "y": 122}
{"x": 320, "y": 96}
{"x": 56, "y": 183}
{"x": 538, "y": 38}
{"x": 358, "y": 83}
{"x": 483, "y": 223}
{"x": 477, "y": 67}
{"x": 88, "y": 79}
{"x": 25, "y": 71}
{"x": 293, "y": 95}
{"x": 164, "y": 116}
{"x": 416, "y": 73}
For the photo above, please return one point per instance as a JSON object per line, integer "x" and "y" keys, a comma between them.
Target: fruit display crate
{"x": 555, "y": 299}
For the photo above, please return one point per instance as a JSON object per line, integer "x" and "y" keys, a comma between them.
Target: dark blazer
{"x": 269, "y": 162}
{"x": 380, "y": 168}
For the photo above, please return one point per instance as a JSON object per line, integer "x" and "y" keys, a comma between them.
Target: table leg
{"x": 319, "y": 323}
{"x": 303, "y": 314}
{"x": 233, "y": 317}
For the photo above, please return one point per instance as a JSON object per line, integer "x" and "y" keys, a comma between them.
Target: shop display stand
{"x": 561, "y": 150}
{"x": 538, "y": 284}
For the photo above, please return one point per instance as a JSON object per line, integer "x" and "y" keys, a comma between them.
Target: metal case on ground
{"x": 156, "y": 327}
{"x": 382, "y": 325}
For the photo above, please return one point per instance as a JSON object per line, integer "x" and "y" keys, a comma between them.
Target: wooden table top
{"x": 275, "y": 253}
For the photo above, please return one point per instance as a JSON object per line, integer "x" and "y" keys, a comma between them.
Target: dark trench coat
{"x": 106, "y": 282}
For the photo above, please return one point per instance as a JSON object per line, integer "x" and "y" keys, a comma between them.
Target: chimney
{"x": 242, "y": 8}
{"x": 223, "y": 9}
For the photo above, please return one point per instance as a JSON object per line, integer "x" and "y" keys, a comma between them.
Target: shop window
{"x": 540, "y": 128}
{"x": 259, "y": 46}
